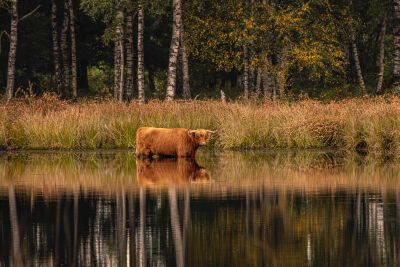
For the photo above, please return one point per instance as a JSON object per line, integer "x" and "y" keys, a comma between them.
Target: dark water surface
{"x": 307, "y": 208}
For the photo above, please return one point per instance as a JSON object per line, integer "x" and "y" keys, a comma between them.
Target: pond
{"x": 255, "y": 208}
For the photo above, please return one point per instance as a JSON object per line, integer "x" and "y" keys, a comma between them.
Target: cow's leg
{"x": 146, "y": 152}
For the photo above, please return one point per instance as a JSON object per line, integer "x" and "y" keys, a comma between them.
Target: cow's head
{"x": 201, "y": 176}
{"x": 201, "y": 136}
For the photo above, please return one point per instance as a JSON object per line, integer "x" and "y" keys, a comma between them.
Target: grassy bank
{"x": 49, "y": 123}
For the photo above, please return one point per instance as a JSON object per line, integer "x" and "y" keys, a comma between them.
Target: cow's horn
{"x": 209, "y": 131}
{"x": 192, "y": 131}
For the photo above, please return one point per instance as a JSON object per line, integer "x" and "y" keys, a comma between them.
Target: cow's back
{"x": 159, "y": 141}
{"x": 166, "y": 171}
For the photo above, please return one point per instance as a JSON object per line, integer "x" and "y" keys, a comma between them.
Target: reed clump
{"x": 51, "y": 123}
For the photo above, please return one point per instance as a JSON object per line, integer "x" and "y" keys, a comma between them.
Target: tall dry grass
{"x": 50, "y": 123}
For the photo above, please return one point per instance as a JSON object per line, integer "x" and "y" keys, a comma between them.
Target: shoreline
{"x": 48, "y": 123}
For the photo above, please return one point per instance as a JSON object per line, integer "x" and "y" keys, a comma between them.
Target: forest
{"x": 143, "y": 50}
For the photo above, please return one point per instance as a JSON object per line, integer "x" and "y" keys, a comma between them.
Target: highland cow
{"x": 167, "y": 171}
{"x": 178, "y": 142}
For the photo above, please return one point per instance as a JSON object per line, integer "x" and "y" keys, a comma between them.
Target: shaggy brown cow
{"x": 178, "y": 142}
{"x": 168, "y": 171}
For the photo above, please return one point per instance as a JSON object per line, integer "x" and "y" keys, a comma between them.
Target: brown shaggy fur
{"x": 169, "y": 171}
{"x": 177, "y": 142}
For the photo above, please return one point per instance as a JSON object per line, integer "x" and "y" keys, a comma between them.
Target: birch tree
{"x": 12, "y": 54}
{"x": 13, "y": 37}
{"x": 74, "y": 85}
{"x": 357, "y": 62}
{"x": 381, "y": 55}
{"x": 56, "y": 47}
{"x": 185, "y": 68}
{"x": 140, "y": 52}
{"x": 396, "y": 46}
{"x": 65, "y": 53}
{"x": 129, "y": 57}
{"x": 246, "y": 73}
{"x": 174, "y": 50}
{"x": 119, "y": 55}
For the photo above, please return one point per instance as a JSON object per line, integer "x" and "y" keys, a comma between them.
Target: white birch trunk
{"x": 122, "y": 66}
{"x": 16, "y": 246}
{"x": 140, "y": 49}
{"x": 117, "y": 68}
{"x": 246, "y": 74}
{"x": 129, "y": 58}
{"x": 258, "y": 82}
{"x": 381, "y": 56}
{"x": 396, "y": 46}
{"x": 74, "y": 84}
{"x": 56, "y": 47}
{"x": 357, "y": 62}
{"x": 119, "y": 57}
{"x": 12, "y": 54}
{"x": 142, "y": 226}
{"x": 174, "y": 50}
{"x": 176, "y": 228}
{"x": 185, "y": 68}
{"x": 64, "y": 51}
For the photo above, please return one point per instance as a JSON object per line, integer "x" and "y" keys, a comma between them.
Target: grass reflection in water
{"x": 228, "y": 209}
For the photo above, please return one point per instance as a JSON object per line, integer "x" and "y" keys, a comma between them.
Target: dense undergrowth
{"x": 50, "y": 123}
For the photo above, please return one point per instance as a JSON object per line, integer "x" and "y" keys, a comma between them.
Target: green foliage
{"x": 300, "y": 35}
{"x": 100, "y": 80}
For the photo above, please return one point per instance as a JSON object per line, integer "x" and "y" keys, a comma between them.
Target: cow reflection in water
{"x": 168, "y": 171}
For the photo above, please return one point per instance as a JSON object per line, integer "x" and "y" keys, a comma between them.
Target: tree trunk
{"x": 381, "y": 56}
{"x": 76, "y": 214}
{"x": 64, "y": 51}
{"x": 151, "y": 79}
{"x": 121, "y": 227}
{"x": 117, "y": 68}
{"x": 142, "y": 225}
{"x": 119, "y": 58}
{"x": 56, "y": 47}
{"x": 174, "y": 50}
{"x": 176, "y": 229}
{"x": 82, "y": 78}
{"x": 74, "y": 84}
{"x": 258, "y": 82}
{"x": 185, "y": 68}
{"x": 16, "y": 247}
{"x": 57, "y": 231}
{"x": 357, "y": 62}
{"x": 140, "y": 49}
{"x": 129, "y": 57}
{"x": 246, "y": 74}
{"x": 122, "y": 66}
{"x": 12, "y": 54}
{"x": 132, "y": 239}
{"x": 396, "y": 43}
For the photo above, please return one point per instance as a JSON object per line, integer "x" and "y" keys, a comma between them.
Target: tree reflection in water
{"x": 169, "y": 220}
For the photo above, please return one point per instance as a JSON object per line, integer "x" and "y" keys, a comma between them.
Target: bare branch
{"x": 30, "y": 13}
{"x": 156, "y": 22}
{"x": 6, "y": 9}
{"x": 1, "y": 35}
{"x": 6, "y": 33}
